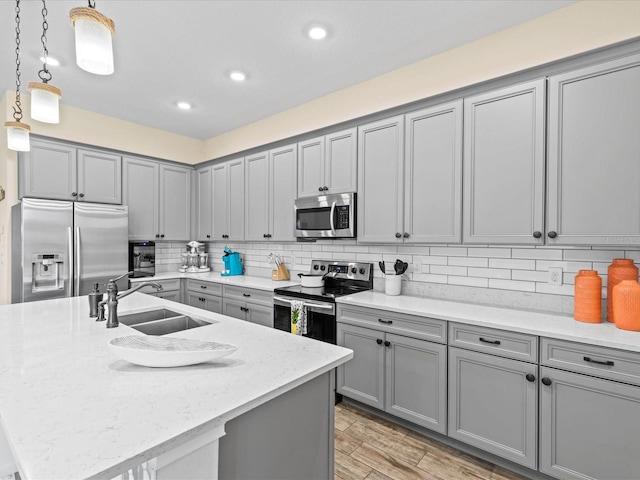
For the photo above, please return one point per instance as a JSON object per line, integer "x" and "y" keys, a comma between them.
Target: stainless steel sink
{"x": 160, "y": 322}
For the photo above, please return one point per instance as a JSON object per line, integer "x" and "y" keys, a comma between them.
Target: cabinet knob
{"x": 264, "y": 235}
{"x": 387, "y": 343}
{"x": 552, "y": 234}
{"x": 208, "y": 236}
{"x": 537, "y": 234}
{"x": 162, "y": 235}
{"x": 320, "y": 189}
{"x": 405, "y": 235}
{"x": 268, "y": 235}
{"x": 325, "y": 188}
{"x": 81, "y": 195}
{"x": 546, "y": 381}
{"x": 157, "y": 235}
{"x": 530, "y": 377}
{"x": 74, "y": 194}
{"x": 379, "y": 341}
{"x": 398, "y": 235}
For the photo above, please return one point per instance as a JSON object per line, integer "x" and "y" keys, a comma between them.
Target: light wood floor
{"x": 372, "y": 448}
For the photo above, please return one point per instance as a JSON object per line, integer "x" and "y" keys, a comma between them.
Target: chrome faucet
{"x": 113, "y": 296}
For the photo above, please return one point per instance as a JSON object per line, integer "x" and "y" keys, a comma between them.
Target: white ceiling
{"x": 166, "y": 51}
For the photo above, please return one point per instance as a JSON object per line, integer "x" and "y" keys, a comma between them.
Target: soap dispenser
{"x": 95, "y": 297}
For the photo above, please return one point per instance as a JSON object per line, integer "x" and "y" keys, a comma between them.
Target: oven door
{"x": 321, "y": 317}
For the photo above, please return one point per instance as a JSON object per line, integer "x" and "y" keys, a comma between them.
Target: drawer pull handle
{"x": 387, "y": 343}
{"x": 246, "y": 294}
{"x": 379, "y": 341}
{"x": 386, "y": 322}
{"x": 492, "y": 342}
{"x": 608, "y": 363}
{"x": 546, "y": 381}
{"x": 244, "y": 309}
{"x": 203, "y": 286}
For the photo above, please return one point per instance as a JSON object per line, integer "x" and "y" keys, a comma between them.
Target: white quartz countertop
{"x": 71, "y": 409}
{"x": 543, "y": 324}
{"x": 260, "y": 283}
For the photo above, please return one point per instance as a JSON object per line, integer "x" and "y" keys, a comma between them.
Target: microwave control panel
{"x": 343, "y": 217}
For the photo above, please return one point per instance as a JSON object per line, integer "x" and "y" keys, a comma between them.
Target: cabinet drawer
{"x": 167, "y": 286}
{"x": 259, "y": 297}
{"x": 592, "y": 360}
{"x": 198, "y": 286}
{"x": 422, "y": 328}
{"x": 498, "y": 342}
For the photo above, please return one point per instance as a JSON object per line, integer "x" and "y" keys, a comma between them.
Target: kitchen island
{"x": 71, "y": 409}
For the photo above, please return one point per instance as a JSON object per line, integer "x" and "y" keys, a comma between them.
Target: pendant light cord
{"x": 17, "y": 109}
{"x": 44, "y": 74}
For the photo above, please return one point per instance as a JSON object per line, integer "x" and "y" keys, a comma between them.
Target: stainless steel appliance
{"x": 142, "y": 259}
{"x": 342, "y": 278}
{"x": 326, "y": 216}
{"x": 60, "y": 249}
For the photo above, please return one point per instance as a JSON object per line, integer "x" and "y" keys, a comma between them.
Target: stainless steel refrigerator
{"x": 60, "y": 249}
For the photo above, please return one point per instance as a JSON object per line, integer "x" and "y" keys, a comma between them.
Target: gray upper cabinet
{"x": 270, "y": 191}
{"x": 594, "y": 155}
{"x": 328, "y": 164}
{"x": 141, "y": 183}
{"x": 204, "y": 203}
{"x": 228, "y": 200}
{"x": 433, "y": 175}
{"x": 63, "y": 172}
{"x": 175, "y": 203}
{"x": 503, "y": 182}
{"x": 380, "y": 180}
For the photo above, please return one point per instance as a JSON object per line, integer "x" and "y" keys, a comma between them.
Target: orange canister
{"x": 587, "y": 305}
{"x": 626, "y": 305}
{"x": 619, "y": 270}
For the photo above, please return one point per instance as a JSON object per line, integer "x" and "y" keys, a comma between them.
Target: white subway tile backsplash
{"x": 512, "y": 285}
{"x": 537, "y": 253}
{"x": 512, "y": 263}
{"x": 448, "y": 270}
{"x": 529, "y": 275}
{"x": 555, "y": 289}
{"x": 449, "y": 251}
{"x": 489, "y": 252}
{"x": 432, "y": 260}
{"x": 429, "y": 278}
{"x": 469, "y": 281}
{"x": 469, "y": 261}
{"x": 592, "y": 255}
{"x": 490, "y": 273}
{"x": 565, "y": 266}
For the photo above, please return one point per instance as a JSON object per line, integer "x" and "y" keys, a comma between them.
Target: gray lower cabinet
{"x": 249, "y": 304}
{"x": 173, "y": 296}
{"x": 171, "y": 290}
{"x": 205, "y": 295}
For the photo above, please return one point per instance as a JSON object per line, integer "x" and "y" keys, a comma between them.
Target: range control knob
{"x": 354, "y": 270}
{"x": 322, "y": 267}
{"x": 362, "y": 271}
{"x": 315, "y": 267}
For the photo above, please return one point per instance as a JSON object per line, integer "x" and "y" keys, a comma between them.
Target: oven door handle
{"x": 306, "y": 304}
{"x": 333, "y": 211}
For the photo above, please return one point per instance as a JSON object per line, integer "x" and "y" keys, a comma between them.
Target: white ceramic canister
{"x": 392, "y": 284}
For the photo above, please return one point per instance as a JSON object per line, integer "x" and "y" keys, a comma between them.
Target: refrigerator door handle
{"x": 70, "y": 263}
{"x": 76, "y": 275}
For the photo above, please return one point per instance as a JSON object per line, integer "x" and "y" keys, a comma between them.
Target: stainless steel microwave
{"x": 326, "y": 216}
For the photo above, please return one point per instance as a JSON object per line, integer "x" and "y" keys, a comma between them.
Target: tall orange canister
{"x": 619, "y": 270}
{"x": 626, "y": 305}
{"x": 587, "y": 305}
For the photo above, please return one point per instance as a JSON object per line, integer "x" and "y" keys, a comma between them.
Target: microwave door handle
{"x": 333, "y": 211}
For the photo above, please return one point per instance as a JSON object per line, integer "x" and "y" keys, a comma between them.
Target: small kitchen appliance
{"x": 326, "y": 216}
{"x": 142, "y": 259}
{"x": 195, "y": 259}
{"x": 232, "y": 263}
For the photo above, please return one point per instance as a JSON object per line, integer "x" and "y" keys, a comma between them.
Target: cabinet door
{"x": 256, "y": 214}
{"x": 362, "y": 378}
{"x": 141, "y": 181}
{"x": 589, "y": 427}
{"x": 594, "y": 155}
{"x": 220, "y": 173}
{"x": 175, "y": 202}
{"x": 48, "y": 171}
{"x": 416, "y": 381}
{"x": 260, "y": 314}
{"x": 283, "y": 180}
{"x": 341, "y": 161}
{"x": 433, "y": 175}
{"x": 99, "y": 177}
{"x": 173, "y": 296}
{"x": 204, "y": 203}
{"x": 206, "y": 302}
{"x": 504, "y": 165}
{"x": 380, "y": 181}
{"x": 234, "y": 308}
{"x": 311, "y": 167}
{"x": 493, "y": 406}
{"x": 235, "y": 197}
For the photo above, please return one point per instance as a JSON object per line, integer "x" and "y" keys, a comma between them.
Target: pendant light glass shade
{"x": 94, "y": 46}
{"x": 18, "y": 136}
{"x": 45, "y": 100}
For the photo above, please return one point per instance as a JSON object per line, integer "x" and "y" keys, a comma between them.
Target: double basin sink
{"x": 160, "y": 321}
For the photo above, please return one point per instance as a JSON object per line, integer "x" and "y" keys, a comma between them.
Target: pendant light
{"x": 45, "y": 98}
{"x": 94, "y": 35}
{"x": 18, "y": 132}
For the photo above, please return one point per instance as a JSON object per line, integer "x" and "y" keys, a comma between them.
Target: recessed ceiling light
{"x": 237, "y": 76}
{"x": 51, "y": 61}
{"x": 184, "y": 106}
{"x": 317, "y": 32}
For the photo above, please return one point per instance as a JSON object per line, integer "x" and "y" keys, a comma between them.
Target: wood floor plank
{"x": 349, "y": 468}
{"x": 500, "y": 473}
{"x": 344, "y": 417}
{"x": 375, "y": 475}
{"x": 405, "y": 448}
{"x": 389, "y": 466}
{"x": 377, "y": 423}
{"x": 454, "y": 465}
{"x": 344, "y": 442}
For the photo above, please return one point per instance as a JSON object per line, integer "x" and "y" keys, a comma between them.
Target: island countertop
{"x": 248, "y": 281}
{"x": 71, "y": 409}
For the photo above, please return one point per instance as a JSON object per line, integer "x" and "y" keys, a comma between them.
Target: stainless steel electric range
{"x": 340, "y": 278}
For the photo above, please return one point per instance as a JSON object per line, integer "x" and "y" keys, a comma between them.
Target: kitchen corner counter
{"x": 259, "y": 283}
{"x": 535, "y": 323}
{"x": 71, "y": 409}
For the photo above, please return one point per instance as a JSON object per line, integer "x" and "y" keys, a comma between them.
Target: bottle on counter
{"x": 587, "y": 305}
{"x": 619, "y": 270}
{"x": 95, "y": 297}
{"x": 626, "y": 305}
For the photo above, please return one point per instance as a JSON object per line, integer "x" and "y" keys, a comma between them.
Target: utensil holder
{"x": 281, "y": 273}
{"x": 392, "y": 284}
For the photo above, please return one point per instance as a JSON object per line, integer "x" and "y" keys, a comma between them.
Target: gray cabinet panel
{"x": 204, "y": 301}
{"x": 311, "y": 167}
{"x": 380, "y": 180}
{"x": 362, "y": 378}
{"x": 283, "y": 190}
{"x": 594, "y": 155}
{"x": 260, "y": 314}
{"x": 233, "y": 308}
{"x": 204, "y": 203}
{"x": 235, "y": 199}
{"x": 504, "y": 165}
{"x": 416, "y": 381}
{"x": 589, "y": 427}
{"x": 256, "y": 218}
{"x": 141, "y": 181}
{"x": 175, "y": 202}
{"x": 341, "y": 161}
{"x": 493, "y": 406}
{"x": 173, "y": 296}
{"x": 48, "y": 171}
{"x": 433, "y": 175}
{"x": 220, "y": 209}
{"x": 519, "y": 346}
{"x": 99, "y": 177}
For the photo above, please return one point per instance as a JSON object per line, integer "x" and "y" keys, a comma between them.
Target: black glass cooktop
{"x": 325, "y": 294}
